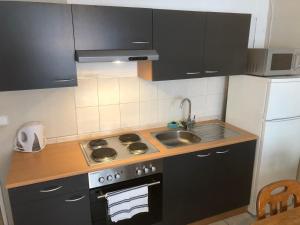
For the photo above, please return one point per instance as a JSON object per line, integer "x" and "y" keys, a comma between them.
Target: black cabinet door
{"x": 226, "y": 43}
{"x": 36, "y": 46}
{"x": 233, "y": 169}
{"x": 178, "y": 36}
{"x": 109, "y": 28}
{"x": 204, "y": 184}
{"x": 70, "y": 209}
{"x": 187, "y": 188}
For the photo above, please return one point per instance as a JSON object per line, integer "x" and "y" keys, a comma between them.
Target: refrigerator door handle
{"x": 284, "y": 119}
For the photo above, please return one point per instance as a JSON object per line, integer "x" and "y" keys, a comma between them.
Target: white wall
{"x": 285, "y": 25}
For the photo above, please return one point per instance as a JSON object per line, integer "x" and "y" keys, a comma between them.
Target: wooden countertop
{"x": 290, "y": 217}
{"x": 66, "y": 159}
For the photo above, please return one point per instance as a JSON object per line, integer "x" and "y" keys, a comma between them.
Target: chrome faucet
{"x": 189, "y": 122}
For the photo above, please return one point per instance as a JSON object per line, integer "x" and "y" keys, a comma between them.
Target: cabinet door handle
{"x": 204, "y": 155}
{"x": 223, "y": 152}
{"x": 75, "y": 199}
{"x": 211, "y": 71}
{"x": 51, "y": 190}
{"x": 192, "y": 73}
{"x": 63, "y": 80}
{"x": 140, "y": 42}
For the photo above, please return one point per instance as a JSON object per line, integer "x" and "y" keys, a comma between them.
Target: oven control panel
{"x": 128, "y": 172}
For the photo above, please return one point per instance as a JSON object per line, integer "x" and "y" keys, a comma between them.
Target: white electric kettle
{"x": 30, "y": 137}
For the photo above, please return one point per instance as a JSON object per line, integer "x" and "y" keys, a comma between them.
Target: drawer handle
{"x": 204, "y": 156}
{"x": 75, "y": 199}
{"x": 223, "y": 152}
{"x": 51, "y": 190}
{"x": 63, "y": 80}
{"x": 192, "y": 73}
{"x": 140, "y": 42}
{"x": 211, "y": 71}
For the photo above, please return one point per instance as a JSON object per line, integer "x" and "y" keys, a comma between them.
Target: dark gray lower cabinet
{"x": 207, "y": 183}
{"x": 59, "y": 202}
{"x": 72, "y": 209}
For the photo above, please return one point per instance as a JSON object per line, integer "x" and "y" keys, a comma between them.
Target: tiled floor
{"x": 243, "y": 219}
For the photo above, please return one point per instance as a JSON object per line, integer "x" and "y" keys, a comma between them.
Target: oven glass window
{"x": 282, "y": 61}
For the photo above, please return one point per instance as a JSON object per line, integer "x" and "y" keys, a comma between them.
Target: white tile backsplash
{"x": 196, "y": 87}
{"x": 215, "y": 85}
{"x": 214, "y": 104}
{"x": 169, "y": 110}
{"x": 109, "y": 91}
{"x": 130, "y": 114}
{"x": 86, "y": 94}
{"x": 148, "y": 113}
{"x": 172, "y": 89}
{"x": 110, "y": 117}
{"x": 129, "y": 90}
{"x": 148, "y": 90}
{"x": 198, "y": 107}
{"x": 87, "y": 119}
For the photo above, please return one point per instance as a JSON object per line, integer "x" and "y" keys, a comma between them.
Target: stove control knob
{"x": 109, "y": 178}
{"x": 101, "y": 179}
{"x": 117, "y": 176}
{"x": 153, "y": 168}
{"x": 146, "y": 170}
{"x": 139, "y": 172}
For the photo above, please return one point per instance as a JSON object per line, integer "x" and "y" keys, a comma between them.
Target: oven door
{"x": 99, "y": 205}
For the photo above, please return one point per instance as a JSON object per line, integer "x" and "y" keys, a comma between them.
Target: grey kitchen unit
{"x": 38, "y": 42}
{"x": 112, "y": 28}
{"x": 57, "y": 202}
{"x": 36, "y": 46}
{"x": 195, "y": 186}
{"x": 207, "y": 183}
{"x": 197, "y": 44}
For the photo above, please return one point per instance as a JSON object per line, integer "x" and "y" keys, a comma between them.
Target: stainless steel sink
{"x": 199, "y": 133}
{"x": 177, "y": 138}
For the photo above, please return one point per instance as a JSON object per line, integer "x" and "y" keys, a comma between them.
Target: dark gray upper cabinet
{"x": 111, "y": 28}
{"x": 36, "y": 46}
{"x": 226, "y": 43}
{"x": 197, "y": 44}
{"x": 178, "y": 38}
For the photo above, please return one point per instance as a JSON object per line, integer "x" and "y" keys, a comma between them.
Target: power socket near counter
{"x": 4, "y": 121}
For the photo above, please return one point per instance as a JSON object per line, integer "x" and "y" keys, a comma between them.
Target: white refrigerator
{"x": 269, "y": 108}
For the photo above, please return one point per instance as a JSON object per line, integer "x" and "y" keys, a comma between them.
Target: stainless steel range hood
{"x": 85, "y": 56}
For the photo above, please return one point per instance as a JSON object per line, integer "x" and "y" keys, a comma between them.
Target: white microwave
{"x": 273, "y": 62}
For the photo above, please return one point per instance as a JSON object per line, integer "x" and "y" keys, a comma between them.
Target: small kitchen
{"x": 153, "y": 113}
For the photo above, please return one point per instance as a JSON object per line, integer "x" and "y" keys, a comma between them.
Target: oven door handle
{"x": 149, "y": 185}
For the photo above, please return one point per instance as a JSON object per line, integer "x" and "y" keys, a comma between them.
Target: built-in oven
{"x": 131, "y": 176}
{"x": 273, "y": 62}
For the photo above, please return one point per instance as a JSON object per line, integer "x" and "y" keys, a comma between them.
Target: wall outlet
{"x": 3, "y": 121}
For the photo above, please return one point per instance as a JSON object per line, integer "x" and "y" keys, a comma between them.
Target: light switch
{"x": 3, "y": 121}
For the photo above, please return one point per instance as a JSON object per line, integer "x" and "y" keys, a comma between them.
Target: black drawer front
{"x": 48, "y": 189}
{"x": 66, "y": 209}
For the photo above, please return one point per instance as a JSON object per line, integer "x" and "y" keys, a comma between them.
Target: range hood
{"x": 85, "y": 56}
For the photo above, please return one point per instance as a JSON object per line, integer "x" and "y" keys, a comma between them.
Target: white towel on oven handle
{"x": 126, "y": 203}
